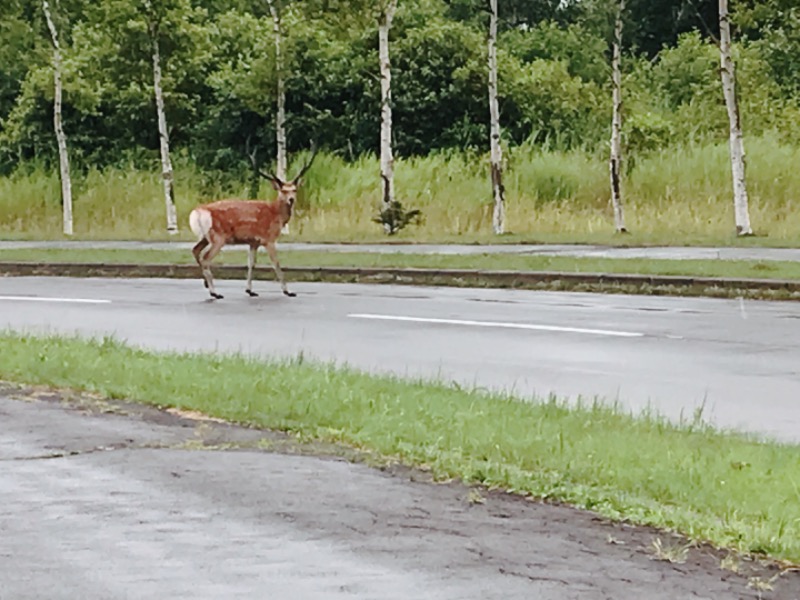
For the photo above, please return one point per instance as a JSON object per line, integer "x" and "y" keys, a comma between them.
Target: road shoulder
{"x": 393, "y": 515}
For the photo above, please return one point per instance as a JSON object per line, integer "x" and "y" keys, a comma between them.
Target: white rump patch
{"x": 200, "y": 222}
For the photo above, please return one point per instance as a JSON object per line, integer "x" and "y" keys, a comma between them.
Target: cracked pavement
{"x": 102, "y": 499}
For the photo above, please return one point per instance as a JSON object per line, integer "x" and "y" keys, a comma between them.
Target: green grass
{"x": 699, "y": 268}
{"x": 734, "y": 491}
{"x": 680, "y": 196}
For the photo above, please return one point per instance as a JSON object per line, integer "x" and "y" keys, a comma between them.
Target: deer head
{"x": 287, "y": 190}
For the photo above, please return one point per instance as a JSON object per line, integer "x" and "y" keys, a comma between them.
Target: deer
{"x": 252, "y": 222}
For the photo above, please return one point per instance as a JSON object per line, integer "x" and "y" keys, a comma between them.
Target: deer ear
{"x": 277, "y": 184}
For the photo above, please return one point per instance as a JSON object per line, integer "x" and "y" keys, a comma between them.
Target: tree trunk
{"x": 740, "y": 202}
{"x": 387, "y": 158}
{"x": 163, "y": 135}
{"x": 280, "y": 116}
{"x": 63, "y": 156}
{"x": 498, "y": 192}
{"x": 616, "y": 124}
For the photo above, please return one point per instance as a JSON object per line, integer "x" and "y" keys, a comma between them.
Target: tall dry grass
{"x": 678, "y": 195}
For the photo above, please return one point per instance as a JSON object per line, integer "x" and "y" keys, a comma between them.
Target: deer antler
{"x": 254, "y": 162}
{"x": 302, "y": 172}
{"x": 271, "y": 176}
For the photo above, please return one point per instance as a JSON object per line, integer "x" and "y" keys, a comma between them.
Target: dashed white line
{"x": 57, "y": 300}
{"x": 500, "y": 325}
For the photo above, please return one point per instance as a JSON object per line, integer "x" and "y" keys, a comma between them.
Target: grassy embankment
{"x": 733, "y": 491}
{"x": 680, "y": 195}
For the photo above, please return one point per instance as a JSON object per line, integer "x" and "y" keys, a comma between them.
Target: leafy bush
{"x": 544, "y": 102}
{"x": 395, "y": 217}
{"x": 582, "y": 50}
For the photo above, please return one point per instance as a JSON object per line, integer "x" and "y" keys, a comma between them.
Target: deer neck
{"x": 284, "y": 212}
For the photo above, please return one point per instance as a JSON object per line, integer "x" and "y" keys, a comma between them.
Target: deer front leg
{"x": 205, "y": 264}
{"x": 273, "y": 256}
{"x": 251, "y": 262}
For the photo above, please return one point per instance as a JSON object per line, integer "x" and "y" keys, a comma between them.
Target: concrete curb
{"x": 649, "y": 284}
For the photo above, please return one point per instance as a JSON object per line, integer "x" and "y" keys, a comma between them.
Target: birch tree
{"x": 153, "y": 28}
{"x": 387, "y": 158}
{"x": 280, "y": 115}
{"x": 61, "y": 138}
{"x": 496, "y": 150}
{"x": 616, "y": 122}
{"x": 727, "y": 71}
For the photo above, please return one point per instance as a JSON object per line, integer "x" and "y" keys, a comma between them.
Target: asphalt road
{"x": 738, "y": 360}
{"x": 578, "y": 250}
{"x": 99, "y": 505}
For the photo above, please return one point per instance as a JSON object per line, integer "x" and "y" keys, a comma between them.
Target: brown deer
{"x": 252, "y": 222}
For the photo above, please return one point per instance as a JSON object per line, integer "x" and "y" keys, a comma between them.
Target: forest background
{"x": 554, "y": 57}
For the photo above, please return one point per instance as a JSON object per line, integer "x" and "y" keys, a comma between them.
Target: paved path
{"x": 674, "y": 253}
{"x": 113, "y": 507}
{"x": 738, "y": 360}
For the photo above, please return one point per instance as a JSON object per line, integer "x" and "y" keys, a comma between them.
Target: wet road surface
{"x": 738, "y": 361}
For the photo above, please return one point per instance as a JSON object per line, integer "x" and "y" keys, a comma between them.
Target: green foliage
{"x": 687, "y": 71}
{"x": 774, "y": 26}
{"x": 652, "y": 25}
{"x": 108, "y": 74}
{"x": 18, "y": 52}
{"x": 440, "y": 74}
{"x": 219, "y": 75}
{"x": 514, "y": 14}
{"x": 678, "y": 97}
{"x": 646, "y": 132}
{"x": 582, "y": 50}
{"x": 542, "y": 101}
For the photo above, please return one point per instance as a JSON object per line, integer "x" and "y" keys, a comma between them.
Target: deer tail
{"x": 200, "y": 222}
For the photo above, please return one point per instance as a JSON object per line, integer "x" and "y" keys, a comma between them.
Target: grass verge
{"x": 733, "y": 491}
{"x": 737, "y": 269}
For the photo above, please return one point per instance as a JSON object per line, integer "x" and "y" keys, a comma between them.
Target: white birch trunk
{"x": 63, "y": 156}
{"x": 740, "y": 202}
{"x": 387, "y": 158}
{"x": 498, "y": 217}
{"x": 163, "y": 135}
{"x": 616, "y": 124}
{"x": 280, "y": 117}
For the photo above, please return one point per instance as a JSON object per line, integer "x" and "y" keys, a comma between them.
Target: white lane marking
{"x": 500, "y": 324}
{"x": 62, "y": 300}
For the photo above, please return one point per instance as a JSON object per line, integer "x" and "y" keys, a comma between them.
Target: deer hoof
{"x": 290, "y": 294}
{"x": 251, "y": 293}
{"x": 217, "y": 296}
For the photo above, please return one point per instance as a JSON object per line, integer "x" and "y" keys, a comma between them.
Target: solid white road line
{"x": 61, "y": 300}
{"x": 501, "y": 325}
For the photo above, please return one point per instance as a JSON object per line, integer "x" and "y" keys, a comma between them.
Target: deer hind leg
{"x": 205, "y": 264}
{"x": 251, "y": 262}
{"x": 273, "y": 256}
{"x": 197, "y": 251}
